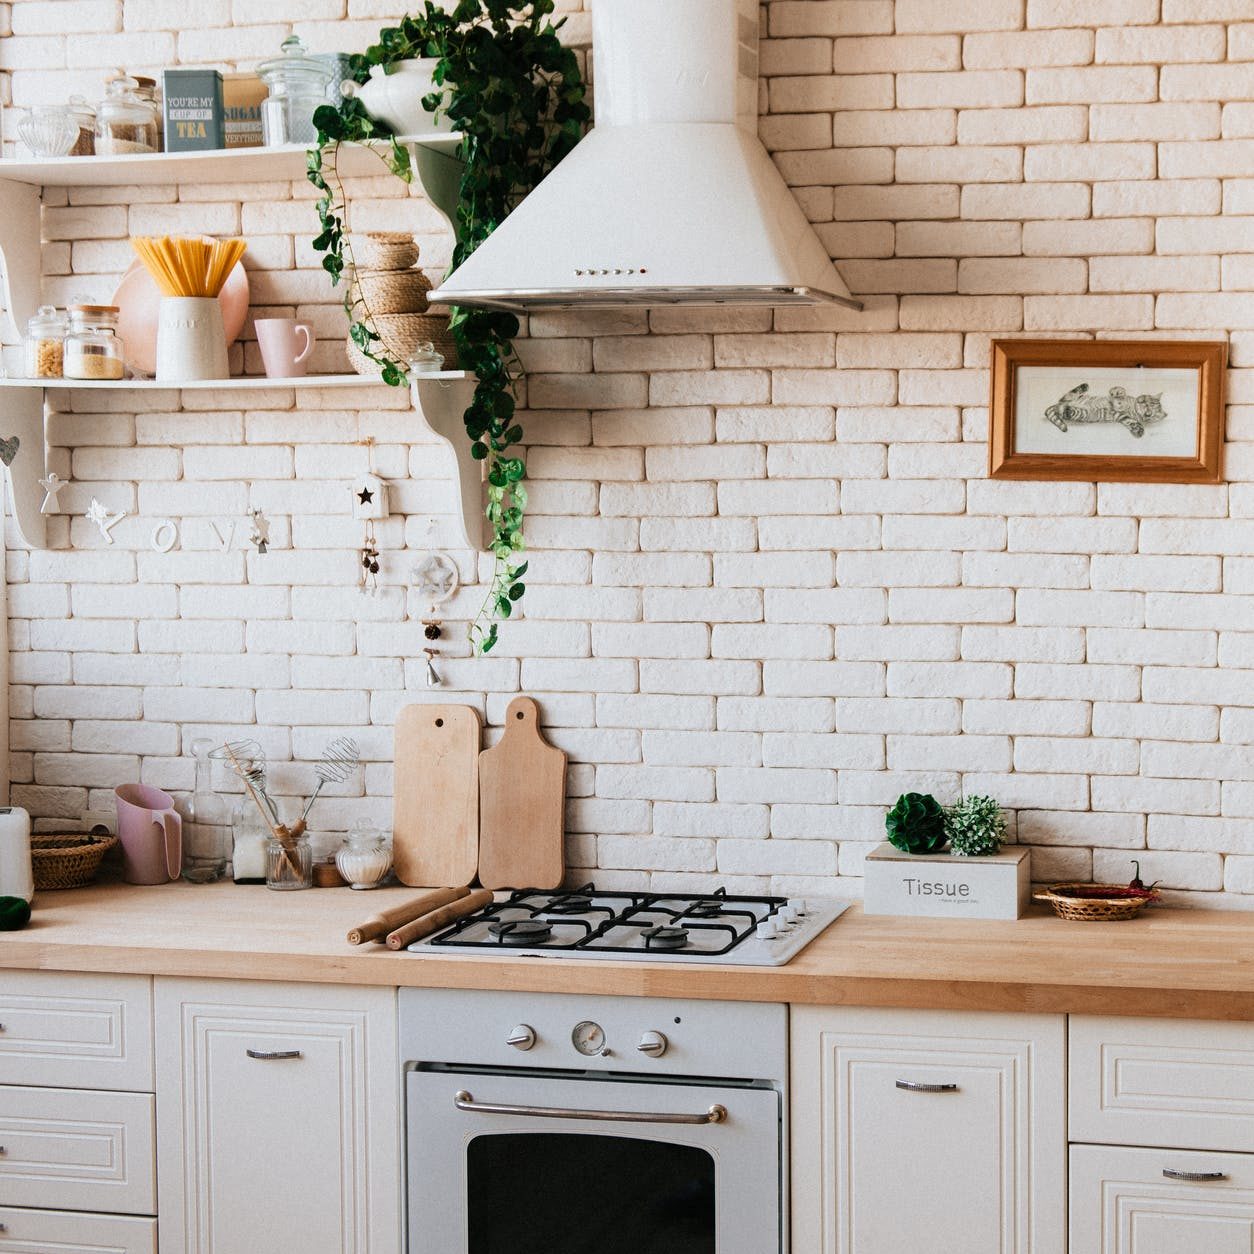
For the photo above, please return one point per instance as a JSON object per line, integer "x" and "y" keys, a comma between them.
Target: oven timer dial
{"x": 589, "y": 1039}
{"x": 522, "y": 1037}
{"x": 653, "y": 1043}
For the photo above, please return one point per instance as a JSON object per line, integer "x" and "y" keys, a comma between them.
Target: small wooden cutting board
{"x": 522, "y": 801}
{"x": 435, "y": 808}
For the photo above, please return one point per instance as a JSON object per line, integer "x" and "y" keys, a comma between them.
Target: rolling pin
{"x": 439, "y": 918}
{"x": 378, "y": 927}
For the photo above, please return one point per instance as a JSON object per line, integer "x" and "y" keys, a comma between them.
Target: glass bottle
{"x": 44, "y": 344}
{"x": 205, "y": 827}
{"x": 289, "y": 865}
{"x": 297, "y": 83}
{"x": 125, "y": 122}
{"x": 92, "y": 347}
{"x": 365, "y": 857}
{"x": 249, "y": 835}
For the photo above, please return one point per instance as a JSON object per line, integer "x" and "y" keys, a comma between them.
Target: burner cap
{"x": 520, "y": 931}
{"x": 575, "y": 903}
{"x": 661, "y": 937}
{"x": 705, "y": 909}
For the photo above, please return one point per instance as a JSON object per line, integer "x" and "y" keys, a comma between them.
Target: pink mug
{"x": 151, "y": 833}
{"x": 277, "y": 339}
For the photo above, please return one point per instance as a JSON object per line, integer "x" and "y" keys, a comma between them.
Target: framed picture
{"x": 1131, "y": 410}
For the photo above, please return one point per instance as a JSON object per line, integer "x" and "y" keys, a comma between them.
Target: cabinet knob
{"x": 912, "y": 1086}
{"x": 1171, "y": 1174}
{"x": 272, "y": 1055}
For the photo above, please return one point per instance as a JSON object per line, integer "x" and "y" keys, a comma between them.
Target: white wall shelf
{"x": 238, "y": 383}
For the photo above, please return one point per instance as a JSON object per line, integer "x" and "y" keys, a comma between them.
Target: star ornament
{"x": 365, "y": 496}
{"x": 99, "y": 515}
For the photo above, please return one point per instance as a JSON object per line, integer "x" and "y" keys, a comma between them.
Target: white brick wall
{"x": 770, "y": 588}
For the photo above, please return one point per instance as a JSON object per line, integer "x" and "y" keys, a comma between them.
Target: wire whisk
{"x": 339, "y": 760}
{"x": 248, "y": 760}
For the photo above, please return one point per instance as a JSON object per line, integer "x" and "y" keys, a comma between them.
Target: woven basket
{"x": 1067, "y": 905}
{"x": 393, "y": 291}
{"x": 401, "y": 334}
{"x": 384, "y": 250}
{"x": 68, "y": 861}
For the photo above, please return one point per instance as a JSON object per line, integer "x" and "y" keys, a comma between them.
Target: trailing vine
{"x": 515, "y": 93}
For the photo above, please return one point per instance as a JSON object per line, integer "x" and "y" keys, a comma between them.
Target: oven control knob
{"x": 522, "y": 1037}
{"x": 654, "y": 1044}
{"x": 799, "y": 906}
{"x": 787, "y": 914}
{"x": 767, "y": 930}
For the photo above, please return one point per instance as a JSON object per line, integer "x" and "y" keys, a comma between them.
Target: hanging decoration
{"x": 369, "y": 496}
{"x": 260, "y": 533}
{"x": 432, "y": 676}
{"x": 165, "y": 535}
{"x": 224, "y": 530}
{"x": 52, "y": 485}
{"x": 435, "y": 579}
{"x": 8, "y": 449}
{"x": 100, "y": 516}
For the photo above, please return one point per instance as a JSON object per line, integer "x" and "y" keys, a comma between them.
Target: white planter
{"x": 396, "y": 98}
{"x": 939, "y": 885}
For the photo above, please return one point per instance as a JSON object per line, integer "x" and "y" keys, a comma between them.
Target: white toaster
{"x": 17, "y": 879}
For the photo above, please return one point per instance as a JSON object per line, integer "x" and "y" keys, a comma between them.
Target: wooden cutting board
{"x": 522, "y": 800}
{"x": 435, "y": 808}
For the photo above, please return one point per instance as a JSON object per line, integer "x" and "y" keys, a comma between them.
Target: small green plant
{"x": 976, "y": 827}
{"x": 916, "y": 824}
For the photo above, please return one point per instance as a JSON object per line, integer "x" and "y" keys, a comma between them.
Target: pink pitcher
{"x": 151, "y": 833}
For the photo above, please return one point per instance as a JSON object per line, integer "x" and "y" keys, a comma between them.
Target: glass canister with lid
{"x": 93, "y": 349}
{"x": 297, "y": 83}
{"x": 126, "y": 123}
{"x": 44, "y": 344}
{"x": 85, "y": 115}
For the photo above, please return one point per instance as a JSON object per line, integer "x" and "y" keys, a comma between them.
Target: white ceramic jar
{"x": 396, "y": 98}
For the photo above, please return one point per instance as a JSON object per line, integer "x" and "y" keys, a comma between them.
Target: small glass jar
{"x": 289, "y": 865}
{"x": 92, "y": 347}
{"x": 125, "y": 123}
{"x": 365, "y": 857}
{"x": 249, "y": 836}
{"x": 85, "y": 116}
{"x": 147, "y": 90}
{"x": 297, "y": 84}
{"x": 44, "y": 344}
{"x": 426, "y": 360}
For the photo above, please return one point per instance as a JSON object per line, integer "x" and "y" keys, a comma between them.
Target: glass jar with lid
{"x": 85, "y": 115}
{"x": 297, "y": 83}
{"x": 148, "y": 91}
{"x": 365, "y": 857}
{"x": 92, "y": 347}
{"x": 126, "y": 123}
{"x": 44, "y": 344}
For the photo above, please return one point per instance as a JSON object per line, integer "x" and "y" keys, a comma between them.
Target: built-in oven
{"x": 554, "y": 1124}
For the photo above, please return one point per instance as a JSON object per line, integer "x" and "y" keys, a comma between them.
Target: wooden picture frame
{"x": 1145, "y": 411}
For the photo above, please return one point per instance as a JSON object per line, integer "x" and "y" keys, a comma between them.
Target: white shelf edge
{"x": 241, "y": 383}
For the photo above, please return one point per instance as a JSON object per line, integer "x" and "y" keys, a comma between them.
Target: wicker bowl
{"x": 384, "y": 250}
{"x": 401, "y": 334}
{"x": 1082, "y": 903}
{"x": 393, "y": 291}
{"x": 68, "y": 861}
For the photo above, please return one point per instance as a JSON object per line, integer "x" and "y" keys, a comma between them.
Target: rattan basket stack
{"x": 394, "y": 292}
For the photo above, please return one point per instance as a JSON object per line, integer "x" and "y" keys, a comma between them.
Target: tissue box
{"x": 193, "y": 110}
{"x": 939, "y": 885}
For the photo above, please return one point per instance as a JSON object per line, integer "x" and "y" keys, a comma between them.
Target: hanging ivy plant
{"x": 516, "y": 94}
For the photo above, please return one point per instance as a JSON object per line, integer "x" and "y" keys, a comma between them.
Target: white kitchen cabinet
{"x": 1123, "y": 1201}
{"x": 279, "y": 1118}
{"x": 66, "y": 1232}
{"x": 927, "y": 1130}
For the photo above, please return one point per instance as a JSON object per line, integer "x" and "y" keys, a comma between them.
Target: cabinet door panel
{"x": 76, "y": 1031}
{"x": 69, "y": 1232}
{"x": 299, "y": 1153}
{"x": 1122, "y": 1204}
{"x": 927, "y": 1129}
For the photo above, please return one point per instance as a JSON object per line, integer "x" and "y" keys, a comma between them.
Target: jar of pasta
{"x": 92, "y": 347}
{"x": 44, "y": 343}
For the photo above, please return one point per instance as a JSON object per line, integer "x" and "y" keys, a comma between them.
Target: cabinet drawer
{"x": 77, "y": 1150}
{"x": 1122, "y": 1203}
{"x": 76, "y": 1031}
{"x": 67, "y": 1232}
{"x": 1157, "y": 1082}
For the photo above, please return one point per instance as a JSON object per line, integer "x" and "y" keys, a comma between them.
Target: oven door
{"x": 528, "y": 1164}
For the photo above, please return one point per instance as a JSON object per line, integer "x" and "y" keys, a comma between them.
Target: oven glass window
{"x": 564, "y": 1193}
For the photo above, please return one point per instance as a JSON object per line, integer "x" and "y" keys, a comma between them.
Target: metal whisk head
{"x": 339, "y": 760}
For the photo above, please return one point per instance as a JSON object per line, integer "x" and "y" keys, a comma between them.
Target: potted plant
{"x": 916, "y": 824}
{"x": 975, "y": 827}
{"x": 503, "y": 80}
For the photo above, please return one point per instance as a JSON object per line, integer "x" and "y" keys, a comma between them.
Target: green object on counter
{"x": 14, "y": 914}
{"x": 916, "y": 824}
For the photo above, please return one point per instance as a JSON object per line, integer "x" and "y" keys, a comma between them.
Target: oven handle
{"x": 464, "y": 1101}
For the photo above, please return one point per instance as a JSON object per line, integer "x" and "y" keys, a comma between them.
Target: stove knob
{"x": 522, "y": 1037}
{"x": 767, "y": 930}
{"x": 653, "y": 1043}
{"x": 787, "y": 914}
{"x": 799, "y": 905}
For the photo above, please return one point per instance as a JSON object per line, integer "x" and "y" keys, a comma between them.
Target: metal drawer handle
{"x": 1172, "y": 1174}
{"x": 464, "y": 1101}
{"x": 912, "y": 1086}
{"x": 272, "y": 1055}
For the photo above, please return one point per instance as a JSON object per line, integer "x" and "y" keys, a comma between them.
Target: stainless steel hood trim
{"x": 641, "y": 297}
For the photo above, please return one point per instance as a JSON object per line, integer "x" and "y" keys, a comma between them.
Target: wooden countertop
{"x": 1168, "y": 963}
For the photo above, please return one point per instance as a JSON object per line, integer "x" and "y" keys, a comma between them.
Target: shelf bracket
{"x": 440, "y": 177}
{"x": 441, "y": 406}
{"x": 19, "y": 210}
{"x": 22, "y": 419}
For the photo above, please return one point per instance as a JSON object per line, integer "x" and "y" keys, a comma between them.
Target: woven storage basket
{"x": 384, "y": 250}
{"x": 401, "y": 335}
{"x": 68, "y": 861}
{"x": 1086, "y": 909}
{"x": 393, "y": 291}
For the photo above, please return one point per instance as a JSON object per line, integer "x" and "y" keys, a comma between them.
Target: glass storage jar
{"x": 289, "y": 865}
{"x": 125, "y": 122}
{"x": 147, "y": 90}
{"x": 205, "y": 827}
{"x": 298, "y": 85}
{"x": 85, "y": 115}
{"x": 365, "y": 857}
{"x": 92, "y": 347}
{"x": 249, "y": 836}
{"x": 45, "y": 344}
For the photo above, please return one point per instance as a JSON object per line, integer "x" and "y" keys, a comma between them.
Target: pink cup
{"x": 278, "y": 339}
{"x": 151, "y": 833}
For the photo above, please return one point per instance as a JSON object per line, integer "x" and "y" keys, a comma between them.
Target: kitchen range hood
{"x": 671, "y": 199}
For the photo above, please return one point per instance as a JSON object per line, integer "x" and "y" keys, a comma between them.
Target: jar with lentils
{"x": 92, "y": 347}
{"x": 45, "y": 344}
